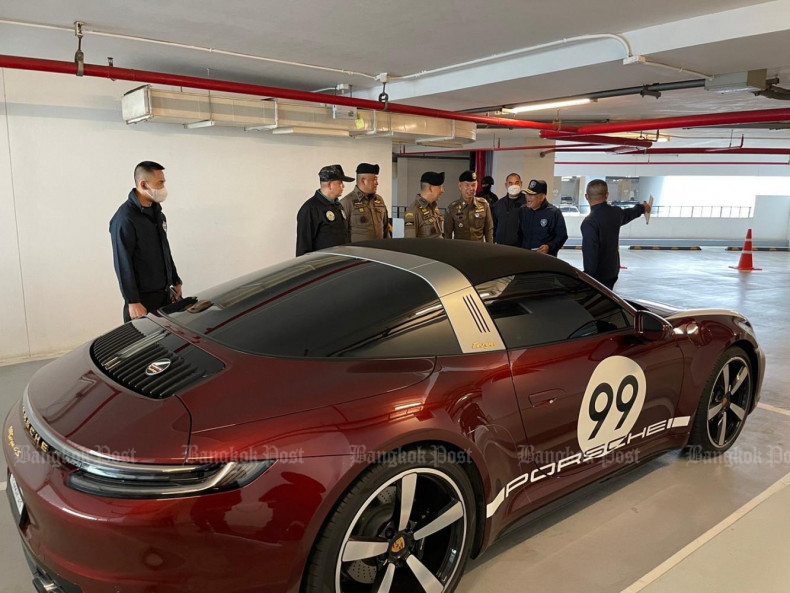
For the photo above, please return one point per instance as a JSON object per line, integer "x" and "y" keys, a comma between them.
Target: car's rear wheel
{"x": 405, "y": 526}
{"x": 724, "y": 404}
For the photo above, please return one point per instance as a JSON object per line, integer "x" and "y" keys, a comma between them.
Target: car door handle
{"x": 545, "y": 398}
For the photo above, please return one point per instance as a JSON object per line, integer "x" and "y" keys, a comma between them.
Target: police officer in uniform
{"x": 542, "y": 224}
{"x": 469, "y": 217}
{"x": 601, "y": 233}
{"x": 141, "y": 252}
{"x": 366, "y": 212}
{"x": 321, "y": 221}
{"x": 423, "y": 219}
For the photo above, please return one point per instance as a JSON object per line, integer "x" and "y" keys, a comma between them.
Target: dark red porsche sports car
{"x": 360, "y": 419}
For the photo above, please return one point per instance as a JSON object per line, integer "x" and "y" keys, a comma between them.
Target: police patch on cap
{"x": 537, "y": 186}
{"x": 468, "y": 176}
{"x": 333, "y": 173}
{"x": 367, "y": 169}
{"x": 432, "y": 178}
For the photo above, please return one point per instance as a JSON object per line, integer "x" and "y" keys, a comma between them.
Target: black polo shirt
{"x": 141, "y": 251}
{"x": 544, "y": 226}
{"x": 320, "y": 223}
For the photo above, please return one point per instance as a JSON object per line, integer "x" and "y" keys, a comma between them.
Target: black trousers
{"x": 608, "y": 282}
{"x": 150, "y": 300}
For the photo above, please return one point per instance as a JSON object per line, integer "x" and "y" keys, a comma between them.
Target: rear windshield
{"x": 322, "y": 305}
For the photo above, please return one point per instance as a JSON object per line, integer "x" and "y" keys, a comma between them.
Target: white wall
{"x": 232, "y": 205}
{"x": 13, "y": 331}
{"x": 527, "y": 163}
{"x": 714, "y": 165}
{"x": 771, "y": 218}
{"x": 674, "y": 228}
{"x": 769, "y": 225}
{"x": 411, "y": 169}
{"x": 718, "y": 191}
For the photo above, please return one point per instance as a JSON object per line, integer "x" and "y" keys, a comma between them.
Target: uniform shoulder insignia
{"x": 410, "y": 215}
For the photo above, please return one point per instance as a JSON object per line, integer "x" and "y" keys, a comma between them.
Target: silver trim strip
{"x": 473, "y": 326}
{"x": 696, "y": 312}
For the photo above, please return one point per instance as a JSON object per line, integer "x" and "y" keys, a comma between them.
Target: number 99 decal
{"x": 612, "y": 402}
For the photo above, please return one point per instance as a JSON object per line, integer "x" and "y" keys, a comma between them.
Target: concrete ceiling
{"x": 411, "y": 36}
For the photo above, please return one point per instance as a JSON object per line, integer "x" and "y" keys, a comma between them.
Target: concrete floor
{"x": 669, "y": 526}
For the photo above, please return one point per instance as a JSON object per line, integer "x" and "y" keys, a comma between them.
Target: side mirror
{"x": 652, "y": 327}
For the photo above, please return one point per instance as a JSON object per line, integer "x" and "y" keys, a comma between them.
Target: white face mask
{"x": 158, "y": 195}
{"x": 514, "y": 190}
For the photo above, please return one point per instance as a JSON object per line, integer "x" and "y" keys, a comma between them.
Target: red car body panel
{"x": 505, "y": 414}
{"x": 91, "y": 411}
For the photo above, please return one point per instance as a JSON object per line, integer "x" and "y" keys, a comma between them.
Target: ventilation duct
{"x": 195, "y": 110}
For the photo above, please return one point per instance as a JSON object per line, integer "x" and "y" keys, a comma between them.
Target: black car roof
{"x": 479, "y": 262}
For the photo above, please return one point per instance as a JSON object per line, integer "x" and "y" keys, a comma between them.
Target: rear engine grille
{"x": 127, "y": 355}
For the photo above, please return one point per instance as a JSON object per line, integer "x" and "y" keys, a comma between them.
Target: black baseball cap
{"x": 432, "y": 178}
{"x": 537, "y": 186}
{"x": 367, "y": 169}
{"x": 488, "y": 180}
{"x": 333, "y": 173}
{"x": 468, "y": 176}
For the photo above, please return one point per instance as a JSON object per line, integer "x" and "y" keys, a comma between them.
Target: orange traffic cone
{"x": 745, "y": 264}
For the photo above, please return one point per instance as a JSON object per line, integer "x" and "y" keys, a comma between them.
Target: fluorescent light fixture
{"x": 206, "y": 123}
{"x": 735, "y": 82}
{"x": 550, "y": 105}
{"x": 137, "y": 120}
{"x": 312, "y": 131}
{"x": 653, "y": 137}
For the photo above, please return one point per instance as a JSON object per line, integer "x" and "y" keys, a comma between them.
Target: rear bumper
{"x": 254, "y": 539}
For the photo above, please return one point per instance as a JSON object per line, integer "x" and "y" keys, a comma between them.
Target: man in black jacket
{"x": 321, "y": 221}
{"x": 507, "y": 210}
{"x": 542, "y": 224}
{"x": 601, "y": 233}
{"x": 141, "y": 252}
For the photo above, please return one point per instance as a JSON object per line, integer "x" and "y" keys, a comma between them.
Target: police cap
{"x": 333, "y": 173}
{"x": 432, "y": 178}
{"x": 537, "y": 186}
{"x": 367, "y": 169}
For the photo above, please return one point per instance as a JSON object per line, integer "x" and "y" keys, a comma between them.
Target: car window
{"x": 542, "y": 308}
{"x": 323, "y": 305}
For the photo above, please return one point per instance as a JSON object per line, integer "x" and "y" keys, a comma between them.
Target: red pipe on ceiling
{"x": 658, "y": 163}
{"x": 778, "y": 151}
{"x": 468, "y": 150}
{"x": 671, "y": 151}
{"x": 596, "y": 139}
{"x": 147, "y": 77}
{"x": 690, "y": 121}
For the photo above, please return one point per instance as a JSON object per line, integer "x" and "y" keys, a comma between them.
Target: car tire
{"x": 724, "y": 405}
{"x": 365, "y": 545}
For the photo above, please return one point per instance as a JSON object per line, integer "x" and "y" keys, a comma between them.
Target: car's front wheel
{"x": 406, "y": 525}
{"x": 724, "y": 404}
